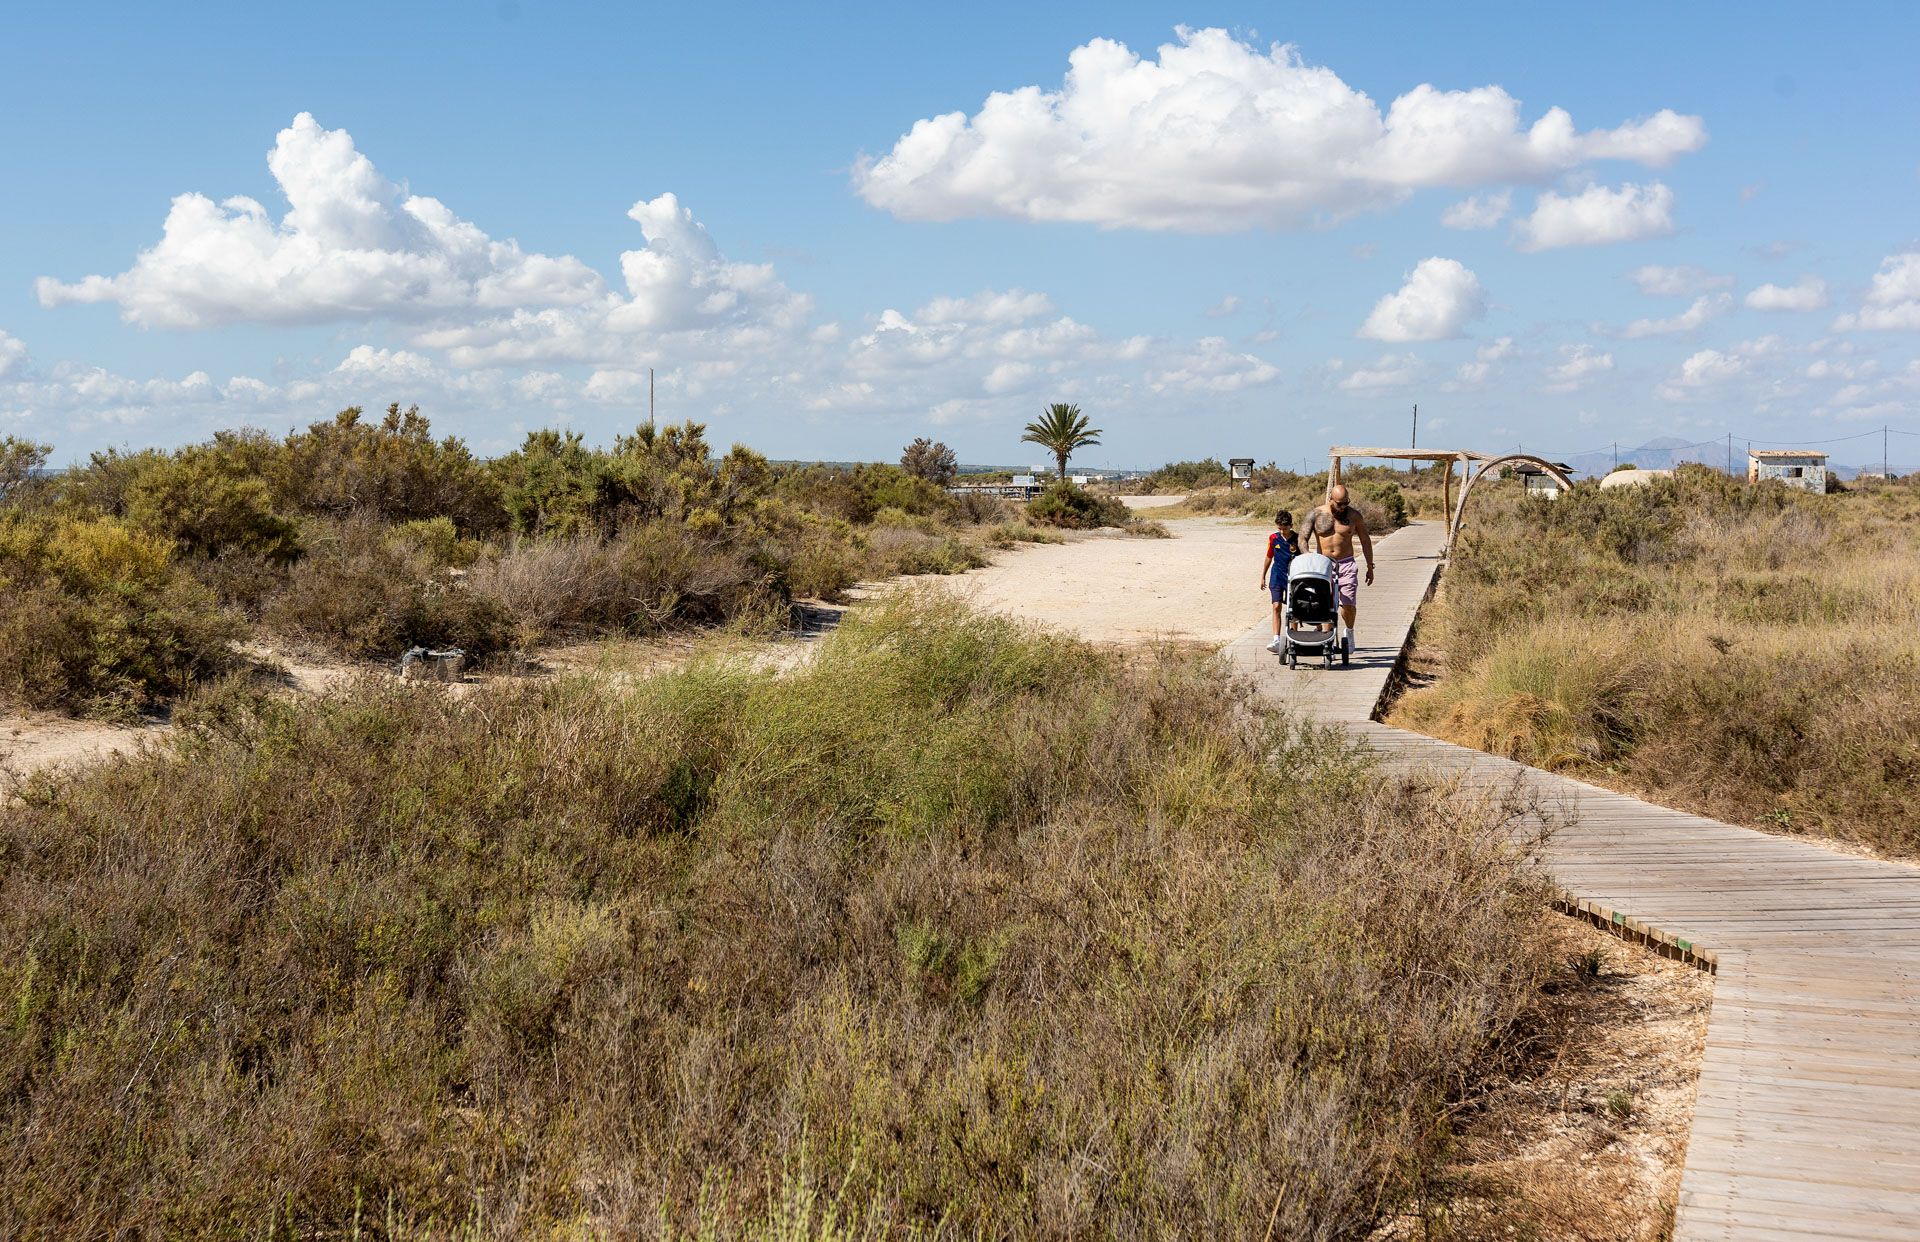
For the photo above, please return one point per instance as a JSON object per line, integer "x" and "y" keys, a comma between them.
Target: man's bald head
{"x": 1337, "y": 496}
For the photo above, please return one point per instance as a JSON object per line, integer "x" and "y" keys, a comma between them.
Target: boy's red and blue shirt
{"x": 1281, "y": 550}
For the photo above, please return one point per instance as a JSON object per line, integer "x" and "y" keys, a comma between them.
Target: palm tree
{"x": 1062, "y": 429}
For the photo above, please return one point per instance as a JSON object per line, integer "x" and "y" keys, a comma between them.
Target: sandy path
{"x": 1118, "y": 588}
{"x": 1150, "y": 502}
{"x": 42, "y": 740}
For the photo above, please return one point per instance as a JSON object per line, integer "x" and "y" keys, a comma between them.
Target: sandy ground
{"x": 37, "y": 740}
{"x": 1126, "y": 588}
{"x": 1585, "y": 1139}
{"x": 1151, "y": 502}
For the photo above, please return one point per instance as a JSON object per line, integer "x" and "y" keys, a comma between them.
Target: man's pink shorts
{"x": 1346, "y": 582}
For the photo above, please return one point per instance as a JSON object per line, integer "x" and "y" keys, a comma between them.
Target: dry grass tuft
{"x": 1753, "y": 653}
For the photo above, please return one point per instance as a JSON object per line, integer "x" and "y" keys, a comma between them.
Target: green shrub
{"x": 21, "y": 462}
{"x": 961, "y": 923}
{"x": 553, "y": 484}
{"x": 206, "y": 502}
{"x": 1010, "y": 534}
{"x": 1064, "y": 504}
{"x": 1385, "y": 498}
{"x": 367, "y": 595}
{"x": 858, "y": 493}
{"x": 1186, "y": 476}
{"x": 903, "y": 550}
{"x": 394, "y": 470}
{"x": 100, "y": 619}
{"x": 979, "y": 508}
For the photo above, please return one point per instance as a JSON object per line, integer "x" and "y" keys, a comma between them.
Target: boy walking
{"x": 1282, "y": 544}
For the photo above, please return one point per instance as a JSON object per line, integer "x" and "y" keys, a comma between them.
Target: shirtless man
{"x": 1336, "y": 525}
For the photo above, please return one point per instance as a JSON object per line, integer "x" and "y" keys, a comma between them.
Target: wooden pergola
{"x": 1473, "y": 467}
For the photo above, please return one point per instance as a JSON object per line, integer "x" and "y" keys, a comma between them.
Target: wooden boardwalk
{"x": 1807, "y": 1120}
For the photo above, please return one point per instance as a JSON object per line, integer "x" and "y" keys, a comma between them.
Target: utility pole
{"x": 1413, "y": 463}
{"x": 1729, "y": 454}
{"x": 649, "y": 398}
{"x": 1885, "y": 474}
{"x": 1616, "y": 454}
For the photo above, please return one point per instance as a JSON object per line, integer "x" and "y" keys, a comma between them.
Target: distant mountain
{"x": 1663, "y": 453}
{"x": 1666, "y": 452}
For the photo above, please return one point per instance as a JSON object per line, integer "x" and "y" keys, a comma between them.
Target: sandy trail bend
{"x": 1121, "y": 588}
{"x": 29, "y": 743}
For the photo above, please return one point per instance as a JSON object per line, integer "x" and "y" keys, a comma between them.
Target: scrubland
{"x": 1388, "y": 497}
{"x": 961, "y": 928}
{"x": 1752, "y": 653}
{"x": 137, "y": 575}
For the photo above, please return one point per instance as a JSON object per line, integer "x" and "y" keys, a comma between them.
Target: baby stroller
{"x": 1310, "y": 602}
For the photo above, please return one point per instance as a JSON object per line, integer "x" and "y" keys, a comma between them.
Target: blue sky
{"x": 1222, "y": 248}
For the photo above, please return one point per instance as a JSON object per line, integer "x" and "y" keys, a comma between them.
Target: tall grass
{"x": 1753, "y": 653}
{"x": 963, "y": 928}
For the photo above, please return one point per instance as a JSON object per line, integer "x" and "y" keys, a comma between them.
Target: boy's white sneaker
{"x": 1275, "y": 644}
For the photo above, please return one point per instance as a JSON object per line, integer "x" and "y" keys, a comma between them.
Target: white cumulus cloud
{"x": 1677, "y": 282}
{"x": 1597, "y": 216}
{"x": 1476, "y": 372}
{"x": 1704, "y": 310}
{"x": 1478, "y": 212}
{"x": 1211, "y": 366}
{"x": 1577, "y": 365}
{"x": 1892, "y": 301}
{"x": 1440, "y": 297}
{"x": 1806, "y": 294}
{"x": 13, "y": 355}
{"x": 1218, "y": 134}
{"x": 1702, "y": 372}
{"x": 352, "y": 245}
{"x": 681, "y": 291}
{"x": 1391, "y": 371}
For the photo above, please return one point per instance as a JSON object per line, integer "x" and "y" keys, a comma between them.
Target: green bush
{"x": 1187, "y": 476}
{"x": 394, "y": 470}
{"x": 1011, "y": 534}
{"x": 553, "y": 484}
{"x": 209, "y": 504}
{"x": 1385, "y": 498}
{"x": 961, "y": 923}
{"x": 21, "y": 462}
{"x": 368, "y": 595}
{"x": 858, "y": 493}
{"x": 1064, "y": 504}
{"x": 100, "y": 619}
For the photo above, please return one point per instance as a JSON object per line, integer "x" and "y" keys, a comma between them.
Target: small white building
{"x": 1802, "y": 468}
{"x": 1538, "y": 482}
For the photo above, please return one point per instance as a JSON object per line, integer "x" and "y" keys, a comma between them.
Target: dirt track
{"x": 1119, "y": 588}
